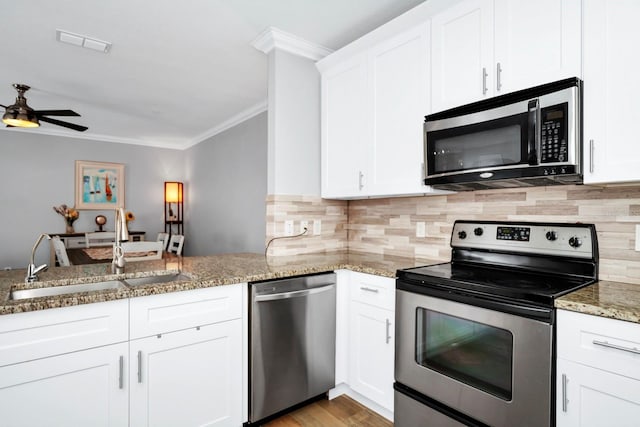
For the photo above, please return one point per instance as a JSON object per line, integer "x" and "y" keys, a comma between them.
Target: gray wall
{"x": 37, "y": 172}
{"x": 227, "y": 176}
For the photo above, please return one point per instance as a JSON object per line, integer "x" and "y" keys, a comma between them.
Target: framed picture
{"x": 99, "y": 185}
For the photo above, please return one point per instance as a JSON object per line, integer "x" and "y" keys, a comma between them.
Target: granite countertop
{"x": 614, "y": 300}
{"x": 205, "y": 271}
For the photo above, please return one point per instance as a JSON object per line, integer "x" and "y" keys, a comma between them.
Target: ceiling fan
{"x": 21, "y": 115}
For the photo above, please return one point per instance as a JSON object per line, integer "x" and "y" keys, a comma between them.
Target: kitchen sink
{"x": 19, "y": 294}
{"x": 137, "y": 281}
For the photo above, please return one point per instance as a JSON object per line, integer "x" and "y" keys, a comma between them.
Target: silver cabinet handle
{"x": 140, "y": 366}
{"x": 388, "y": 327}
{"x": 360, "y": 179}
{"x": 293, "y": 294}
{"x": 633, "y": 350}
{"x": 121, "y": 373}
{"x": 565, "y": 401}
{"x": 484, "y": 80}
{"x": 498, "y": 79}
{"x": 591, "y": 144}
{"x": 364, "y": 288}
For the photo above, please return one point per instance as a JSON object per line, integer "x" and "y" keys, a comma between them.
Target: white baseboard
{"x": 342, "y": 388}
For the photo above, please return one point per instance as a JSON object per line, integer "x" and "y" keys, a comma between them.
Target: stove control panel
{"x": 573, "y": 240}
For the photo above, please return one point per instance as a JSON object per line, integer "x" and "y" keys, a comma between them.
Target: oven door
{"x": 491, "y": 366}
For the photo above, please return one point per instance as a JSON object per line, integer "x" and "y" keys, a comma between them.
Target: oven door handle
{"x": 533, "y": 132}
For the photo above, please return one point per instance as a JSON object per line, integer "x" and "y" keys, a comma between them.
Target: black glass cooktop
{"x": 502, "y": 283}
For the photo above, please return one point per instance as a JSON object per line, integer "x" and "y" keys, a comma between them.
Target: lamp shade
{"x": 173, "y": 192}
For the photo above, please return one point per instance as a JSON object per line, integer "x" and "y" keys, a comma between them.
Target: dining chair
{"x": 175, "y": 244}
{"x": 142, "y": 251}
{"x": 61, "y": 251}
{"x": 164, "y": 238}
{"x": 100, "y": 238}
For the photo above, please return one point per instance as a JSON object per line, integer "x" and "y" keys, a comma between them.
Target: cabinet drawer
{"x": 158, "y": 314}
{"x": 607, "y": 344}
{"x": 373, "y": 290}
{"x": 37, "y": 334}
{"x": 75, "y": 242}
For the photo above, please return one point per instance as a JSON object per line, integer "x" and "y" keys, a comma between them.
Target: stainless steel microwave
{"x": 527, "y": 138}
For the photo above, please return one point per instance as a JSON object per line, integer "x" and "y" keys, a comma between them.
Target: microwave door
{"x": 498, "y": 143}
{"x": 533, "y": 137}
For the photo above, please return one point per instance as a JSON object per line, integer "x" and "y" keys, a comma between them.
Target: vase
{"x": 70, "y": 229}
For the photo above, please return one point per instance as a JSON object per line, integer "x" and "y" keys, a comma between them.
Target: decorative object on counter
{"x": 173, "y": 193}
{"x": 69, "y": 214}
{"x": 99, "y": 185}
{"x": 129, "y": 216}
{"x": 101, "y": 220}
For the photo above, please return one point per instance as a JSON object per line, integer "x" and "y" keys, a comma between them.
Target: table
{"x": 77, "y": 241}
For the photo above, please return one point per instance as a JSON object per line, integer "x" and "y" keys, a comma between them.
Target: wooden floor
{"x": 341, "y": 411}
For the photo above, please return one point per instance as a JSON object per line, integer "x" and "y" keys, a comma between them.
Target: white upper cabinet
{"x": 611, "y": 89}
{"x": 400, "y": 89}
{"x": 535, "y": 43}
{"x": 345, "y": 128}
{"x": 483, "y": 48}
{"x": 373, "y": 107}
{"x": 462, "y": 49}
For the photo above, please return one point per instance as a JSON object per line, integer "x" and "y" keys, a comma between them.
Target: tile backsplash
{"x": 388, "y": 226}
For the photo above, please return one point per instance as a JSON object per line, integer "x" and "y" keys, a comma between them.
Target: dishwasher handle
{"x": 293, "y": 294}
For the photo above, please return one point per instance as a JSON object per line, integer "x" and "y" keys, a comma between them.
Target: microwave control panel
{"x": 554, "y": 146}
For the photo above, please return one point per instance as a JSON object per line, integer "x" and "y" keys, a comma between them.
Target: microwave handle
{"x": 533, "y": 132}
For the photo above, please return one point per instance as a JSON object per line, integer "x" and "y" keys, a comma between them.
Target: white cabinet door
{"x": 188, "y": 378}
{"x": 345, "y": 129}
{"x": 83, "y": 388}
{"x": 399, "y": 84}
{"x": 481, "y": 49}
{"x": 611, "y": 89}
{"x": 595, "y": 398}
{"x": 535, "y": 43}
{"x": 462, "y": 54}
{"x": 371, "y": 353}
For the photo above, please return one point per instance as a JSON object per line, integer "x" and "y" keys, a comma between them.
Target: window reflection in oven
{"x": 473, "y": 353}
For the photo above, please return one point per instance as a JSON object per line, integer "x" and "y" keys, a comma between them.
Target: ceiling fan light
{"x": 20, "y": 119}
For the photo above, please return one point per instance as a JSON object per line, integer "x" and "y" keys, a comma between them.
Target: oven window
{"x": 474, "y": 353}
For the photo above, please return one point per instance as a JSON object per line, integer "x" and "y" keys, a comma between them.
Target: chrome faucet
{"x": 122, "y": 235}
{"x": 32, "y": 270}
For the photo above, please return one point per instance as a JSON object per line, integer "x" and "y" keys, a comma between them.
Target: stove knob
{"x": 575, "y": 242}
{"x": 478, "y": 231}
{"x": 552, "y": 236}
{"x": 462, "y": 234}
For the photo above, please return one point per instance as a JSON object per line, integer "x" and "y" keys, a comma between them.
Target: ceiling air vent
{"x": 82, "y": 41}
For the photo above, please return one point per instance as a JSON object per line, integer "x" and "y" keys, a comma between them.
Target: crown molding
{"x": 273, "y": 38}
{"x": 229, "y": 123}
{"x": 98, "y": 137}
{"x": 177, "y": 145}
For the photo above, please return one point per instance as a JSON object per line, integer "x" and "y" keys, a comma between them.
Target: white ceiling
{"x": 178, "y": 69}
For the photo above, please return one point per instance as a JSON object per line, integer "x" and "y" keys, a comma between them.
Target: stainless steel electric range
{"x": 475, "y": 338}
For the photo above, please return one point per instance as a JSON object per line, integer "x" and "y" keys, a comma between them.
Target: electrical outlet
{"x": 304, "y": 225}
{"x": 288, "y": 227}
{"x": 421, "y": 229}
{"x": 317, "y": 227}
{"x": 638, "y": 237}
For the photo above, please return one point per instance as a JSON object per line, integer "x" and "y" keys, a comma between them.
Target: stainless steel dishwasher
{"x": 293, "y": 338}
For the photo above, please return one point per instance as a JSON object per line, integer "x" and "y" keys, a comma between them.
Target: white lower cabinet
{"x": 372, "y": 350}
{"x": 590, "y": 397}
{"x": 188, "y": 378}
{"x": 83, "y": 388}
{"x": 598, "y": 371}
{"x": 365, "y": 339}
{"x": 75, "y": 366}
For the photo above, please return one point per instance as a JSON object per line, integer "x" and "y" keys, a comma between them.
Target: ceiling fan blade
{"x": 40, "y": 113}
{"x": 63, "y": 124}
